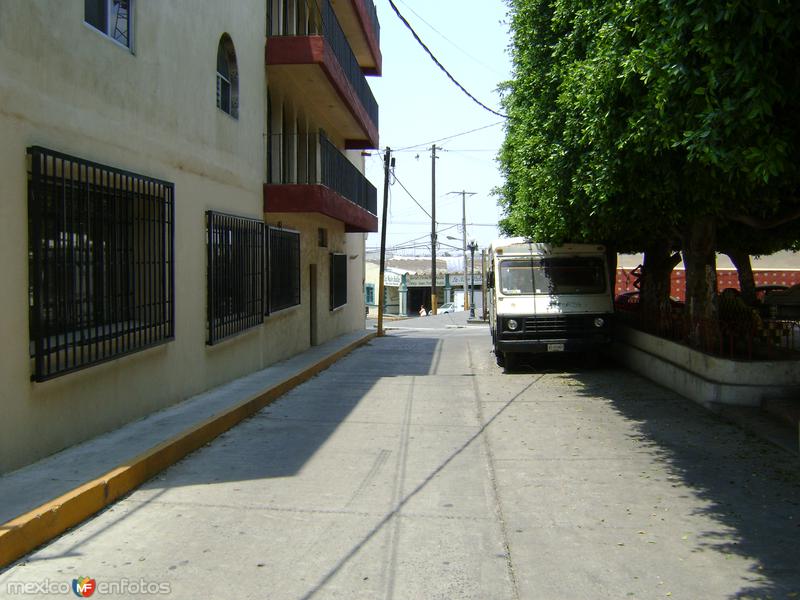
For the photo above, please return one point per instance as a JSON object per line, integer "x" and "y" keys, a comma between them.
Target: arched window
{"x": 227, "y": 77}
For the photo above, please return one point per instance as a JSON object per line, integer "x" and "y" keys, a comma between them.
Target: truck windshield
{"x": 551, "y": 276}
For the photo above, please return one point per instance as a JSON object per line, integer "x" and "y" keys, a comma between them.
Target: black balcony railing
{"x": 317, "y": 17}
{"x": 341, "y": 175}
{"x": 313, "y": 159}
{"x": 373, "y": 16}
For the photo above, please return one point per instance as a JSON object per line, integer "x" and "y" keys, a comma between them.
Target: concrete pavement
{"x": 414, "y": 468}
{"x": 48, "y": 497}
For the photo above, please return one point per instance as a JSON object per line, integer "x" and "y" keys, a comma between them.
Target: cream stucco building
{"x": 182, "y": 201}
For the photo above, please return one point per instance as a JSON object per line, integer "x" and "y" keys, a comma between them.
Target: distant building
{"x": 407, "y": 285}
{"x": 780, "y": 268}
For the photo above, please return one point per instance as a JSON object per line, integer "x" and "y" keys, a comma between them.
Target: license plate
{"x": 555, "y": 347}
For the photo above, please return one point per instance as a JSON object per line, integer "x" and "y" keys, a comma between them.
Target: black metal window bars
{"x": 101, "y": 262}
{"x": 235, "y": 274}
{"x": 284, "y": 269}
{"x": 338, "y": 280}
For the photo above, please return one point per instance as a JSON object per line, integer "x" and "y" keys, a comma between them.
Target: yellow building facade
{"x": 150, "y": 250}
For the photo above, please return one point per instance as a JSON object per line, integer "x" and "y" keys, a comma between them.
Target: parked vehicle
{"x": 547, "y": 298}
{"x": 783, "y": 303}
{"x": 631, "y": 301}
{"x": 763, "y": 290}
{"x": 447, "y": 307}
{"x": 627, "y": 301}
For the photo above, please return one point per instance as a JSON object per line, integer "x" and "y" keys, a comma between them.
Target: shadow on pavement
{"x": 750, "y": 487}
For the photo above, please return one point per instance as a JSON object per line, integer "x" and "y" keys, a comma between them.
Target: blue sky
{"x": 418, "y": 104}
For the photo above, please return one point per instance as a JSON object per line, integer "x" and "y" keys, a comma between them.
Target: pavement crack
{"x": 389, "y": 570}
{"x": 489, "y": 453}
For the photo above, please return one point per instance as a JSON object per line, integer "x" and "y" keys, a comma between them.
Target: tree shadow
{"x": 747, "y": 485}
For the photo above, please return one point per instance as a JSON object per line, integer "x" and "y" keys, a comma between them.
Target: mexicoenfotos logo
{"x": 84, "y": 587}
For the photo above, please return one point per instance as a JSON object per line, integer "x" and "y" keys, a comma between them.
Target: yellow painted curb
{"x": 24, "y": 533}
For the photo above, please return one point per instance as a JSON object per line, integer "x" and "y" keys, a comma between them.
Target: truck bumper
{"x": 554, "y": 345}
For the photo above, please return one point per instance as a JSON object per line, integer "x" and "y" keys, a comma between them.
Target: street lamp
{"x": 464, "y": 240}
{"x": 472, "y": 246}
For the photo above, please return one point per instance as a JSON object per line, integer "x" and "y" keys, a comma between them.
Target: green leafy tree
{"x": 652, "y": 125}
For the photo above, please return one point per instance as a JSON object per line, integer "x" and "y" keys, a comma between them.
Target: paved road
{"x": 415, "y": 469}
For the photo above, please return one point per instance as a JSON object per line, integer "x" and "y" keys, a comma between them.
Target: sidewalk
{"x": 45, "y": 499}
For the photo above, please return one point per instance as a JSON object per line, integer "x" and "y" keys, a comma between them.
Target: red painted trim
{"x": 279, "y": 198}
{"x": 295, "y": 50}
{"x": 371, "y": 36}
{"x": 305, "y": 50}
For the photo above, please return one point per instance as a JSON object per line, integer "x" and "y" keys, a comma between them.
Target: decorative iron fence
{"x": 746, "y": 336}
{"x": 235, "y": 274}
{"x": 101, "y": 252}
{"x": 310, "y": 159}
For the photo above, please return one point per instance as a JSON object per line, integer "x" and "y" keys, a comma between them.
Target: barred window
{"x": 235, "y": 274}
{"x": 369, "y": 293}
{"x": 227, "y": 77}
{"x": 284, "y": 269}
{"x": 101, "y": 270}
{"x": 111, "y": 17}
{"x": 338, "y": 280}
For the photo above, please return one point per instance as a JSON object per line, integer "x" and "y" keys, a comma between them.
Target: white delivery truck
{"x": 548, "y": 298}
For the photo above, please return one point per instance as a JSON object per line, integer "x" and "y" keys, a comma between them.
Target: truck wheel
{"x": 500, "y": 358}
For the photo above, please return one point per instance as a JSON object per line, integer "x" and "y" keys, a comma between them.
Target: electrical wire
{"x": 412, "y": 241}
{"x": 440, "y": 65}
{"x": 449, "y": 137}
{"x": 451, "y": 42}
{"x": 410, "y": 195}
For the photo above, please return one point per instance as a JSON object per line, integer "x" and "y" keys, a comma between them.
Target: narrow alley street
{"x": 416, "y": 469}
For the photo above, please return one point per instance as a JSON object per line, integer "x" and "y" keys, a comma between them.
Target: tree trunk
{"x": 656, "y": 283}
{"x": 701, "y": 283}
{"x": 747, "y": 283}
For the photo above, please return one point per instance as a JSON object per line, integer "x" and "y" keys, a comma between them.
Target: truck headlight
{"x": 599, "y": 322}
{"x": 512, "y": 324}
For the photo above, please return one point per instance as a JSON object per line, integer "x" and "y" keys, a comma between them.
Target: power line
{"x": 419, "y": 239}
{"x": 451, "y": 42}
{"x": 440, "y": 65}
{"x": 410, "y": 195}
{"x": 449, "y": 137}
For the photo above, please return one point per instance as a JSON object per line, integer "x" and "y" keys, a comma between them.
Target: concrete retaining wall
{"x": 703, "y": 378}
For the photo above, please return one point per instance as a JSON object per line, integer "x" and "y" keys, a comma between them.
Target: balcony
{"x": 306, "y": 173}
{"x": 359, "y": 21}
{"x": 310, "y": 60}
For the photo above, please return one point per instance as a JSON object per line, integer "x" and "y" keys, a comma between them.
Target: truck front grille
{"x": 560, "y": 326}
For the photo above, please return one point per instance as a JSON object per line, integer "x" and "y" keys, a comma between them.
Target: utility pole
{"x": 483, "y": 284}
{"x": 433, "y": 229}
{"x": 387, "y": 161}
{"x": 473, "y": 245}
{"x": 464, "y": 238}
